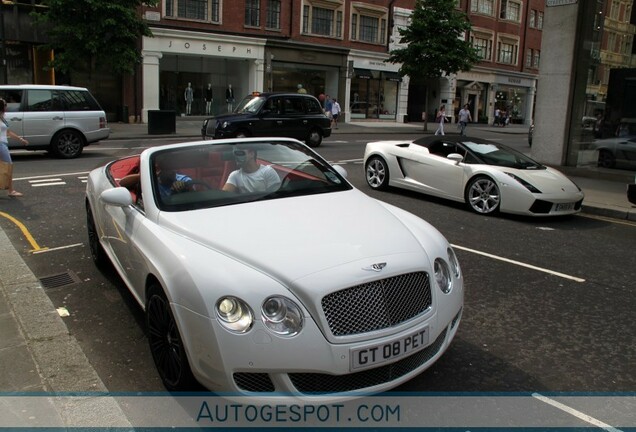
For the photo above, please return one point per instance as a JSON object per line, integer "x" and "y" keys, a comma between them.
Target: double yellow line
{"x": 34, "y": 245}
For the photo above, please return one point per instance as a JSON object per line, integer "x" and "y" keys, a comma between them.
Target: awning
{"x": 363, "y": 73}
{"x": 392, "y": 76}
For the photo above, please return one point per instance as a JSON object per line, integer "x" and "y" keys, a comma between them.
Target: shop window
{"x": 198, "y": 10}
{"x": 253, "y": 13}
{"x": 368, "y": 23}
{"x": 323, "y": 18}
{"x": 510, "y": 10}
{"x": 484, "y": 7}
{"x": 273, "y": 14}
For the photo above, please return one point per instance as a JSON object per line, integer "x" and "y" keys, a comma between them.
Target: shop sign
{"x": 182, "y": 46}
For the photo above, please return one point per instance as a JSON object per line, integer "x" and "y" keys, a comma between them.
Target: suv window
{"x": 13, "y": 98}
{"x": 43, "y": 100}
{"x": 75, "y": 100}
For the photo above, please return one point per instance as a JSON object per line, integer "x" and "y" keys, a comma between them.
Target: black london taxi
{"x": 291, "y": 115}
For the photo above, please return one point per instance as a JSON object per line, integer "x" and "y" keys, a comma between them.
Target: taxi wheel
{"x": 314, "y": 139}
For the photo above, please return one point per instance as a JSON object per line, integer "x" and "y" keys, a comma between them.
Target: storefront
{"x": 179, "y": 65}
{"x": 316, "y": 70}
{"x": 375, "y": 89}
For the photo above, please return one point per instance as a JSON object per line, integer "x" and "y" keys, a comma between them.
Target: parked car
{"x": 59, "y": 119}
{"x": 243, "y": 295}
{"x": 486, "y": 175}
{"x": 291, "y": 115}
{"x": 617, "y": 152}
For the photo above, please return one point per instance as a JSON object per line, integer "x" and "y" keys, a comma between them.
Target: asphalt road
{"x": 549, "y": 302}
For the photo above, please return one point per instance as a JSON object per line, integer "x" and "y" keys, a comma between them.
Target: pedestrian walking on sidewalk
{"x": 440, "y": 119}
{"x": 464, "y": 118}
{"x": 335, "y": 112}
{"x": 6, "y": 164}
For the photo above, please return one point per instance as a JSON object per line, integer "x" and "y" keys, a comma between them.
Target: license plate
{"x": 381, "y": 353}
{"x": 564, "y": 206}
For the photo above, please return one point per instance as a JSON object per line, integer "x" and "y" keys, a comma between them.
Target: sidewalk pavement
{"x": 38, "y": 354}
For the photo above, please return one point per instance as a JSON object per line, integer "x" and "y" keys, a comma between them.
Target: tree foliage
{"x": 94, "y": 33}
{"x": 435, "y": 42}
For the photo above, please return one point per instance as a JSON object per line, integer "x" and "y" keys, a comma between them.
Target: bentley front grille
{"x": 377, "y": 305}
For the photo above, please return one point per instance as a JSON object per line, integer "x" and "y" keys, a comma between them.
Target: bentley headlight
{"x": 443, "y": 276}
{"x": 234, "y": 314}
{"x": 452, "y": 259}
{"x": 282, "y": 316}
{"x": 225, "y": 124}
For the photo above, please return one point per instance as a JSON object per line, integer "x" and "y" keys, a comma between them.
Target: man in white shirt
{"x": 251, "y": 176}
{"x": 464, "y": 118}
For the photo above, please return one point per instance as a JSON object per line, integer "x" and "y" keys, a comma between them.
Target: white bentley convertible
{"x": 487, "y": 176}
{"x": 303, "y": 284}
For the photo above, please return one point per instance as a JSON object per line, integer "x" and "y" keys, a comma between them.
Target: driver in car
{"x": 251, "y": 176}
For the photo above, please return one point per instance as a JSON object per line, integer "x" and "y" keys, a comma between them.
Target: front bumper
{"x": 259, "y": 362}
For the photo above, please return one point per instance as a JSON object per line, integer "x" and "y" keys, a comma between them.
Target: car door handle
{"x": 58, "y": 118}
{"x": 15, "y": 119}
{"x": 279, "y": 121}
{"x": 304, "y": 121}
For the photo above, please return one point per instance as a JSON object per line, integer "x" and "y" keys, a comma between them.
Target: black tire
{"x": 483, "y": 196}
{"x": 67, "y": 144}
{"x": 377, "y": 173}
{"x": 97, "y": 250}
{"x": 166, "y": 344}
{"x": 606, "y": 159}
{"x": 314, "y": 139}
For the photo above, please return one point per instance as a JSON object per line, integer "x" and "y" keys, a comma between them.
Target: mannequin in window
{"x": 189, "y": 97}
{"x": 208, "y": 99}
{"x": 229, "y": 98}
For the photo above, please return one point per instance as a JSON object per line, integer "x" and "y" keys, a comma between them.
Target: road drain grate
{"x": 59, "y": 280}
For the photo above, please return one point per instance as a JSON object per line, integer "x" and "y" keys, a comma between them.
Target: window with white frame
{"x": 485, "y": 7}
{"x": 199, "y": 10}
{"x": 482, "y": 41}
{"x": 323, "y": 17}
{"x": 253, "y": 13}
{"x": 507, "y": 50}
{"x": 536, "y": 59}
{"x": 528, "y": 57}
{"x": 510, "y": 10}
{"x": 615, "y": 9}
{"x": 368, "y": 23}
{"x": 532, "y": 20}
{"x": 539, "y": 20}
{"x": 273, "y": 14}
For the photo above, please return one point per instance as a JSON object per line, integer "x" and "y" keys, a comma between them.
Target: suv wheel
{"x": 314, "y": 139}
{"x": 67, "y": 144}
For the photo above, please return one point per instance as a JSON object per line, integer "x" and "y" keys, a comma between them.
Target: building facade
{"x": 325, "y": 47}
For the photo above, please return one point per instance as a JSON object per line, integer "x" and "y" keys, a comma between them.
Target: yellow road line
{"x": 34, "y": 245}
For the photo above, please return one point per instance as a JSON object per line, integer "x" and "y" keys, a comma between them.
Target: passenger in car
{"x": 251, "y": 176}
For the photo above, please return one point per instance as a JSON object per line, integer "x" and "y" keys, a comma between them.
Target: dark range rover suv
{"x": 289, "y": 115}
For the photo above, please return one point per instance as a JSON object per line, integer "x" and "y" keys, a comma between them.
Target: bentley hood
{"x": 291, "y": 238}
